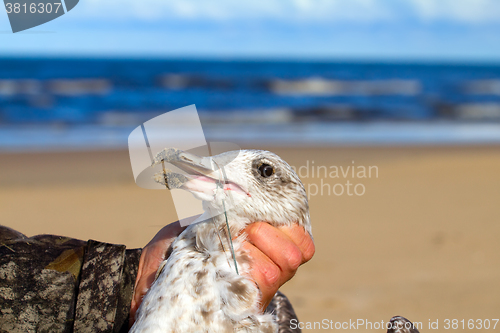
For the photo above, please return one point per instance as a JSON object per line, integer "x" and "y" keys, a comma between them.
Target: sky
{"x": 393, "y": 30}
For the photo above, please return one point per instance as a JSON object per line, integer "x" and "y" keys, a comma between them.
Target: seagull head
{"x": 250, "y": 185}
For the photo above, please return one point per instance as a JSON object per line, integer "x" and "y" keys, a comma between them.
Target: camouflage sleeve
{"x": 58, "y": 284}
{"x": 106, "y": 287}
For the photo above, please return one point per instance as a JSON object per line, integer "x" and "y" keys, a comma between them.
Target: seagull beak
{"x": 202, "y": 173}
{"x": 193, "y": 165}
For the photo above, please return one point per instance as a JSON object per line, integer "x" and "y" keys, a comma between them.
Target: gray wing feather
{"x": 281, "y": 307}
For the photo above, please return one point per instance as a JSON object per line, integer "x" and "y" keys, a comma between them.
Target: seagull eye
{"x": 265, "y": 170}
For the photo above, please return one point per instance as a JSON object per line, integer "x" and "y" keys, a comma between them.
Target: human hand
{"x": 276, "y": 252}
{"x": 152, "y": 256}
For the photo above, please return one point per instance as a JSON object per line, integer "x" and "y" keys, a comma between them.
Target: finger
{"x": 265, "y": 273}
{"x": 152, "y": 256}
{"x": 155, "y": 251}
{"x": 141, "y": 289}
{"x": 277, "y": 246}
{"x": 135, "y": 299}
{"x": 301, "y": 239}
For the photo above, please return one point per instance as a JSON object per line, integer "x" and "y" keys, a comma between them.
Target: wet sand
{"x": 422, "y": 241}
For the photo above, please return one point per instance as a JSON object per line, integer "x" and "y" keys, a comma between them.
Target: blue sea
{"x": 95, "y": 103}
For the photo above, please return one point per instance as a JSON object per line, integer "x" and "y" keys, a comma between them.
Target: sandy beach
{"x": 416, "y": 234}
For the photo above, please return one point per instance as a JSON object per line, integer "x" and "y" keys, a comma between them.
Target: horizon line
{"x": 258, "y": 58}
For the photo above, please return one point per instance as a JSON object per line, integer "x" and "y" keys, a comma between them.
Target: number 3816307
{"x": 470, "y": 324}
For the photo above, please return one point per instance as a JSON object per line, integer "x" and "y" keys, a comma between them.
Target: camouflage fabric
{"x": 58, "y": 284}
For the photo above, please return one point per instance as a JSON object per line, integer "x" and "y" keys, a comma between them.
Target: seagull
{"x": 205, "y": 284}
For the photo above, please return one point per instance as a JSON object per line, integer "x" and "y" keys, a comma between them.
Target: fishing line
{"x": 219, "y": 184}
{"x": 230, "y": 238}
{"x": 217, "y": 231}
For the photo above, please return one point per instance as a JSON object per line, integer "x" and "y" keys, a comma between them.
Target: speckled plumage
{"x": 198, "y": 289}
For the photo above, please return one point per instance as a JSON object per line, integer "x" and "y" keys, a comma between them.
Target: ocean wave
{"x": 322, "y": 87}
{"x": 63, "y": 87}
{"x": 483, "y": 87}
